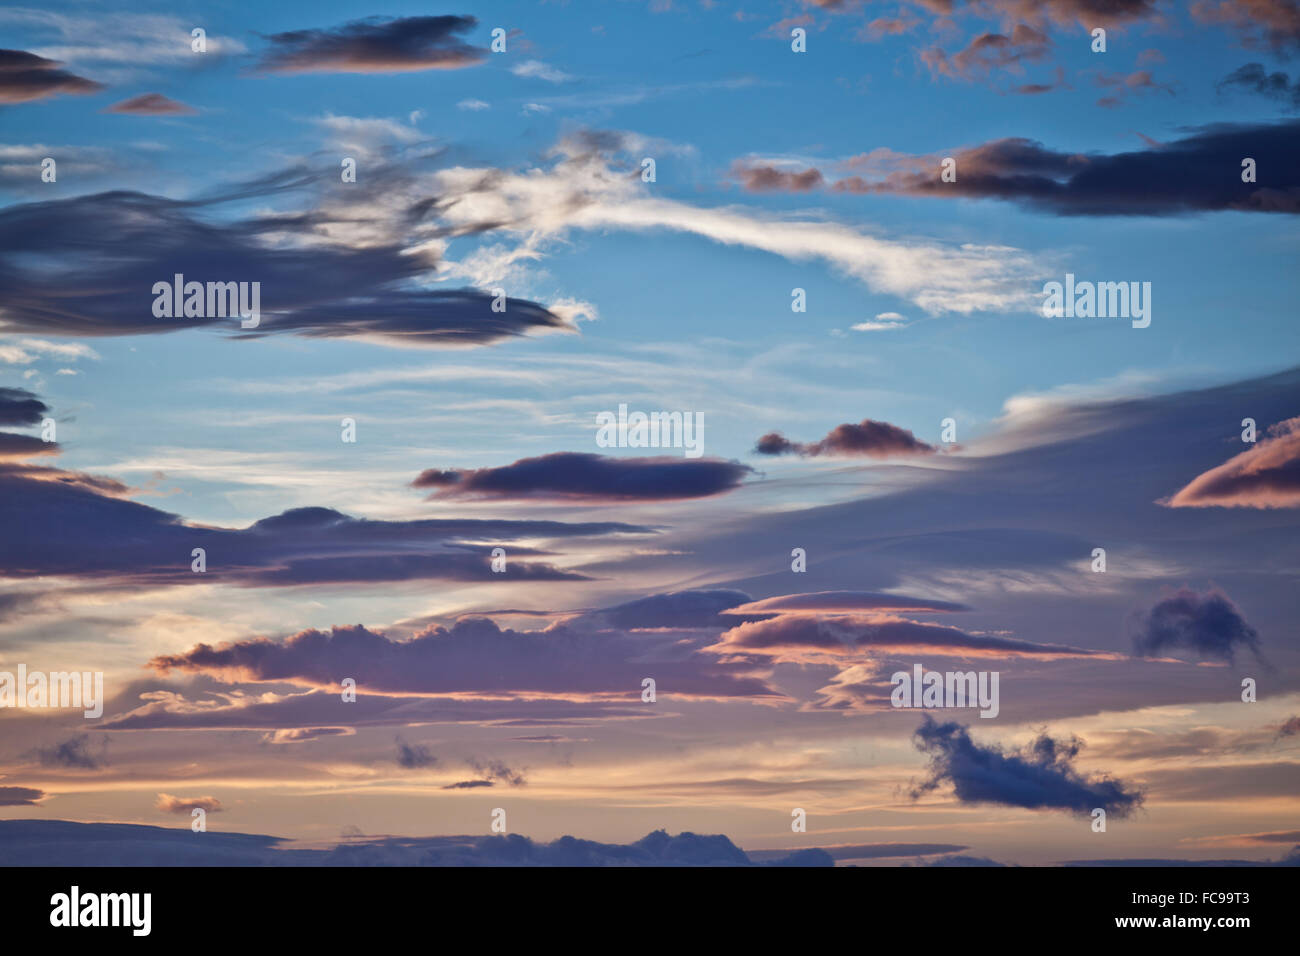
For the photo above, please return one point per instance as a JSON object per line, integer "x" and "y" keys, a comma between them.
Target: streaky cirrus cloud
{"x": 25, "y": 77}
{"x": 1206, "y": 623}
{"x": 1266, "y": 475}
{"x": 151, "y": 104}
{"x": 375, "y": 45}
{"x": 1041, "y": 776}
{"x": 798, "y": 637}
{"x": 842, "y": 602}
{"x": 870, "y": 438}
{"x": 583, "y": 476}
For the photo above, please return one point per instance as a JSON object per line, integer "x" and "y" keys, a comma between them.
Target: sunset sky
{"x": 780, "y": 179}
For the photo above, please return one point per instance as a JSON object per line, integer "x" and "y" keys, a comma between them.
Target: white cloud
{"x": 536, "y": 69}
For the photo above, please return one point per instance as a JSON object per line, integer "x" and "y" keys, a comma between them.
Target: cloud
{"x": 170, "y": 804}
{"x": 589, "y": 187}
{"x": 1266, "y": 475}
{"x": 841, "y": 602}
{"x": 413, "y": 756}
{"x": 20, "y": 796}
{"x": 988, "y": 52}
{"x": 578, "y": 476}
{"x": 474, "y": 105}
{"x": 475, "y": 655}
{"x": 1039, "y": 777}
{"x": 102, "y": 255}
{"x": 63, "y": 843}
{"x": 870, "y": 438}
{"x": 25, "y": 77}
{"x": 1271, "y": 24}
{"x": 536, "y": 69}
{"x": 1253, "y": 78}
{"x": 1207, "y": 624}
{"x": 803, "y": 637}
{"x": 50, "y": 512}
{"x": 1122, "y": 86}
{"x": 74, "y": 752}
{"x": 151, "y": 104}
{"x": 18, "y": 406}
{"x": 375, "y": 45}
{"x": 761, "y": 177}
{"x": 497, "y": 771}
{"x": 1133, "y": 183}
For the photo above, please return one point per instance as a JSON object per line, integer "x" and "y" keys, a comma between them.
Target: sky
{"x": 824, "y": 233}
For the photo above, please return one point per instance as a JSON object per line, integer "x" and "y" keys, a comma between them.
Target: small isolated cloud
{"x": 74, "y": 753}
{"x": 1041, "y": 776}
{"x": 25, "y": 77}
{"x": 472, "y": 104}
{"x": 151, "y": 104}
{"x": 536, "y": 69}
{"x": 1206, "y": 624}
{"x": 569, "y": 476}
{"x": 766, "y": 177}
{"x": 883, "y": 321}
{"x": 375, "y": 45}
{"x": 414, "y": 756}
{"x": 1253, "y": 78}
{"x": 868, "y": 438}
{"x": 1264, "y": 476}
{"x": 20, "y": 796}
{"x": 170, "y": 804}
{"x": 989, "y": 52}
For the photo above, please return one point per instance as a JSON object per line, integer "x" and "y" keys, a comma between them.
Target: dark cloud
{"x": 151, "y": 104}
{"x": 74, "y": 753}
{"x": 375, "y": 45}
{"x": 413, "y": 756}
{"x": 1039, "y": 777}
{"x": 25, "y": 76}
{"x": 1266, "y": 475}
{"x": 102, "y": 254}
{"x": 21, "y": 407}
{"x": 679, "y": 609}
{"x": 584, "y": 476}
{"x": 69, "y": 524}
{"x": 1207, "y": 624}
{"x": 469, "y": 784}
{"x": 498, "y": 771}
{"x": 19, "y": 447}
{"x": 871, "y": 438}
{"x": 20, "y": 796}
{"x": 1289, "y": 728}
{"x": 62, "y": 843}
{"x": 1208, "y": 161}
{"x": 475, "y": 655}
{"x": 1252, "y": 77}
